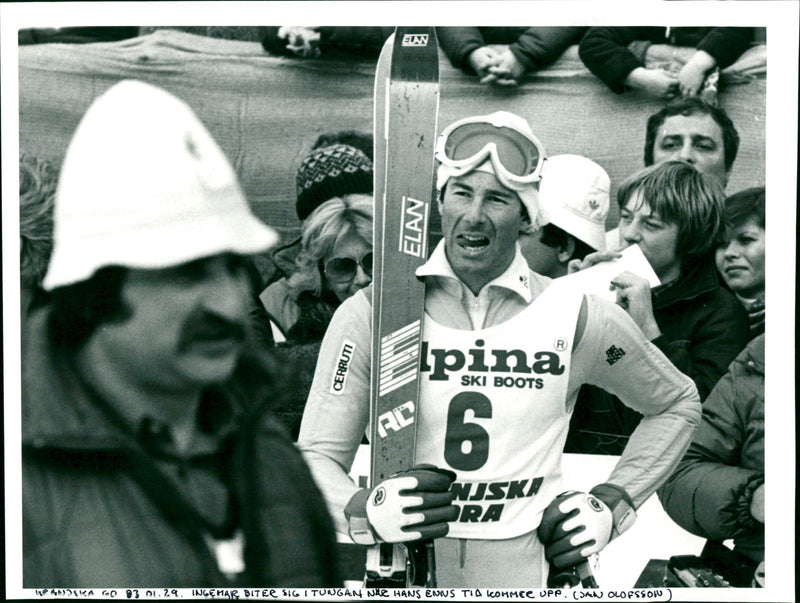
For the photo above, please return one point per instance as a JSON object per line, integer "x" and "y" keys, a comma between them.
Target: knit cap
{"x": 329, "y": 172}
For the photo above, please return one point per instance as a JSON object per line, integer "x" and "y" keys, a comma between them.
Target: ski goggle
{"x": 517, "y": 157}
{"x": 344, "y": 270}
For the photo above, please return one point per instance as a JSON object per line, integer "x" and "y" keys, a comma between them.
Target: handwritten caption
{"x": 354, "y": 594}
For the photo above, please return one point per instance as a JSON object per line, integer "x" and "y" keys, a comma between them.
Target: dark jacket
{"x": 300, "y": 351}
{"x": 302, "y": 357}
{"x": 756, "y": 313}
{"x": 710, "y": 492}
{"x": 703, "y": 328}
{"x": 703, "y": 325}
{"x": 363, "y": 41}
{"x": 533, "y": 47}
{"x": 605, "y": 52}
{"x": 103, "y": 507}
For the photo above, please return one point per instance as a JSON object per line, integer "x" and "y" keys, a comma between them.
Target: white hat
{"x": 527, "y": 192}
{"x": 143, "y": 185}
{"x": 574, "y": 193}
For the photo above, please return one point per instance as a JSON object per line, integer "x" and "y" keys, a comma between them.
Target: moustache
{"x": 205, "y": 326}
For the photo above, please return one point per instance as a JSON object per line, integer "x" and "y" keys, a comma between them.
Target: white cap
{"x": 143, "y": 185}
{"x": 574, "y": 193}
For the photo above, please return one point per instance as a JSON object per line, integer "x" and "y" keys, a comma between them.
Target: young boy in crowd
{"x": 677, "y": 218}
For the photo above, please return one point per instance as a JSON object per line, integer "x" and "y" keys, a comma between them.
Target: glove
{"x": 412, "y": 505}
{"x": 576, "y": 524}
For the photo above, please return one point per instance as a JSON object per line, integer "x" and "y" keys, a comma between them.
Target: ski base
{"x": 400, "y": 566}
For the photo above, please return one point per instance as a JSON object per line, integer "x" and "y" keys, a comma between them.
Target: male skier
{"x": 504, "y": 353}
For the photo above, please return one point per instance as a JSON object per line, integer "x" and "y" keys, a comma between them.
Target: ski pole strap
{"x": 617, "y": 500}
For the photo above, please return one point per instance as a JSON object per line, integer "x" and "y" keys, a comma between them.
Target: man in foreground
{"x": 504, "y": 353}
{"x": 148, "y": 460}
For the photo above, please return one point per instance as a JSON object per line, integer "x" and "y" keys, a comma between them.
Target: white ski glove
{"x": 577, "y": 525}
{"x": 412, "y": 505}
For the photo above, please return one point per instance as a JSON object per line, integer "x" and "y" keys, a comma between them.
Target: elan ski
{"x": 405, "y": 121}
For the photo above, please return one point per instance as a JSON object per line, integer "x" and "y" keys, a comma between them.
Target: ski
{"x": 405, "y": 129}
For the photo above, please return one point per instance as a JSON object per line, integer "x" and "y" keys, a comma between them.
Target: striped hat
{"x": 329, "y": 172}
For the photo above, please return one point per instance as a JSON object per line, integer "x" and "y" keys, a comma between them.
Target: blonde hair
{"x": 37, "y": 186}
{"x": 331, "y": 222}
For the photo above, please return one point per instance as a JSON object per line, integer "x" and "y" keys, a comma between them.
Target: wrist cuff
{"x": 361, "y": 531}
{"x": 620, "y": 504}
{"x": 358, "y": 525}
{"x": 744, "y": 521}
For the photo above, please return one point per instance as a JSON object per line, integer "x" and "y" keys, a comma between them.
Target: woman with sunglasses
{"x": 337, "y": 244}
{"x": 504, "y": 352}
{"x": 337, "y": 166}
{"x": 333, "y": 263}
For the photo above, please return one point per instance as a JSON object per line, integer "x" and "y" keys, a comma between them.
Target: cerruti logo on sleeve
{"x": 342, "y": 367}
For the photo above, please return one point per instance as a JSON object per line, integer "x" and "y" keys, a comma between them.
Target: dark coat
{"x": 710, "y": 492}
{"x": 106, "y": 508}
{"x": 703, "y": 325}
{"x": 605, "y": 52}
{"x": 533, "y": 47}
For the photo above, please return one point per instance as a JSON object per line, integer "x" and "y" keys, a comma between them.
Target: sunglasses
{"x": 344, "y": 270}
{"x": 517, "y": 157}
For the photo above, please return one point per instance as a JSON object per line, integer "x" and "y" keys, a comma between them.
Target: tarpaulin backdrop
{"x": 266, "y": 111}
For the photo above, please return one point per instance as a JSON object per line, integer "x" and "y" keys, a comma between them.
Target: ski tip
{"x": 383, "y": 66}
{"x": 388, "y": 44}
